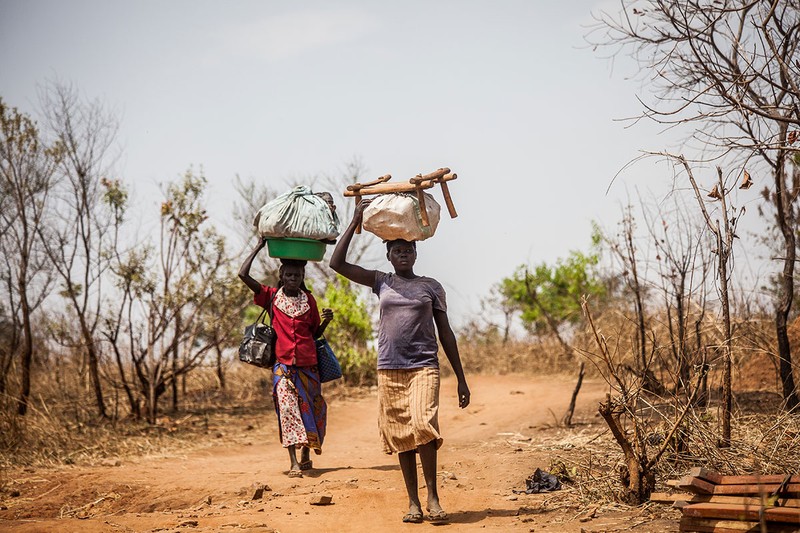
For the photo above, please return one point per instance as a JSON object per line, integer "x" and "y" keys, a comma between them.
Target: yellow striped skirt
{"x": 408, "y": 403}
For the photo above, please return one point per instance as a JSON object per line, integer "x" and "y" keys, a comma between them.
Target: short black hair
{"x": 394, "y": 242}
{"x": 292, "y": 262}
{"x": 325, "y": 195}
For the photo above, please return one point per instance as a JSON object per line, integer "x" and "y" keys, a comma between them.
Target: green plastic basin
{"x": 295, "y": 248}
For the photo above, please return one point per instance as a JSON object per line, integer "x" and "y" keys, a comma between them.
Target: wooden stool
{"x": 416, "y": 185}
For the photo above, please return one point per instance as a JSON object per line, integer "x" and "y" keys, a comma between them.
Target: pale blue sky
{"x": 504, "y": 93}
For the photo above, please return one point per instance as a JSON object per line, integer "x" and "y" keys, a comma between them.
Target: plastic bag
{"x": 540, "y": 481}
{"x": 298, "y": 213}
{"x": 398, "y": 216}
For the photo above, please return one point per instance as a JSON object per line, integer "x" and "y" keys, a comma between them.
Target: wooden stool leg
{"x": 448, "y": 201}
{"x": 358, "y": 201}
{"x": 423, "y": 211}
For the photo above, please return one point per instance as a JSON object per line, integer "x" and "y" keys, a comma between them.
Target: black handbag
{"x": 258, "y": 346}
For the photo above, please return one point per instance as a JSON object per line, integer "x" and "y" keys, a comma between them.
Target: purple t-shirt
{"x": 406, "y": 332}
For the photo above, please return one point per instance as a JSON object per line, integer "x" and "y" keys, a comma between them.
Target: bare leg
{"x": 408, "y": 465}
{"x": 427, "y": 456}
{"x": 295, "y": 466}
{"x": 305, "y": 461}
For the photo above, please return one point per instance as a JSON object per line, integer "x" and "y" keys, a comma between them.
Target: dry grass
{"x": 493, "y": 356}
{"x": 62, "y": 426}
{"x": 588, "y": 460}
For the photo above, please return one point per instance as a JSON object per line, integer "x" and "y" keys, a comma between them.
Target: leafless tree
{"x": 27, "y": 178}
{"x": 623, "y": 414}
{"x": 625, "y": 248}
{"x": 681, "y": 258}
{"x": 730, "y": 71}
{"x": 78, "y": 232}
{"x": 723, "y": 241}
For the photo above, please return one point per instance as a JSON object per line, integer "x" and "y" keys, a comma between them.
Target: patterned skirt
{"x": 301, "y": 409}
{"x": 408, "y": 402}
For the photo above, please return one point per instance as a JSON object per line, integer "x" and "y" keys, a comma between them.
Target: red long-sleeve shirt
{"x": 295, "y": 344}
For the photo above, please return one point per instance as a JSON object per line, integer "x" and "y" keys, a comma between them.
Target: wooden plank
{"x": 713, "y": 525}
{"x": 742, "y": 512}
{"x": 358, "y": 186}
{"x": 710, "y": 525}
{"x": 441, "y": 179}
{"x": 705, "y": 474}
{"x": 384, "y": 188}
{"x": 436, "y": 174}
{"x": 696, "y": 485}
{"x": 664, "y": 497}
{"x": 769, "y": 501}
{"x": 791, "y": 490}
{"x": 752, "y": 479}
{"x": 756, "y": 479}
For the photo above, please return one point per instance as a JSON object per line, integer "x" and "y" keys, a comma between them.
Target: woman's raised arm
{"x": 244, "y": 271}
{"x": 339, "y": 258}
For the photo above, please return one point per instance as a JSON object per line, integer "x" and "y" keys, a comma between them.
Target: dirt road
{"x": 489, "y": 450}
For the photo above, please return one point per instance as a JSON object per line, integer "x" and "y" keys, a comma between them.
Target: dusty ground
{"x": 490, "y": 448}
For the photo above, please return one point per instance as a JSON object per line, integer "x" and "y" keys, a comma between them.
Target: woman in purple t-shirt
{"x": 412, "y": 310}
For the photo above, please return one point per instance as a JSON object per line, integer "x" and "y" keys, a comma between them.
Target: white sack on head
{"x": 398, "y": 216}
{"x": 298, "y": 213}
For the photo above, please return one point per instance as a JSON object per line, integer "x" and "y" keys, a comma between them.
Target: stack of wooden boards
{"x": 732, "y": 504}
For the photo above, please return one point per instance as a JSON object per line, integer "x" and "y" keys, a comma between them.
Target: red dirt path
{"x": 486, "y": 454}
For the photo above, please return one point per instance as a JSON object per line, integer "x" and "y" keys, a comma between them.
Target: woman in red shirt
{"x": 296, "y": 388}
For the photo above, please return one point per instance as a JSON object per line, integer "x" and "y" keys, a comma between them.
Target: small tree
{"x": 625, "y": 250}
{"x": 670, "y": 294}
{"x": 683, "y": 269}
{"x": 170, "y": 286}
{"x": 27, "y": 178}
{"x": 723, "y": 242}
{"x": 549, "y": 296}
{"x": 222, "y": 330}
{"x": 78, "y": 233}
{"x": 622, "y": 413}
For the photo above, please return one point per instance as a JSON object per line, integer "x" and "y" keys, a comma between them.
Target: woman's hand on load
{"x": 360, "y": 206}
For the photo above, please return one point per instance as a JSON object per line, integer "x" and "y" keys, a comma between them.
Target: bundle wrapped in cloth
{"x": 298, "y": 224}
{"x": 399, "y": 216}
{"x": 298, "y": 213}
{"x": 403, "y": 210}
